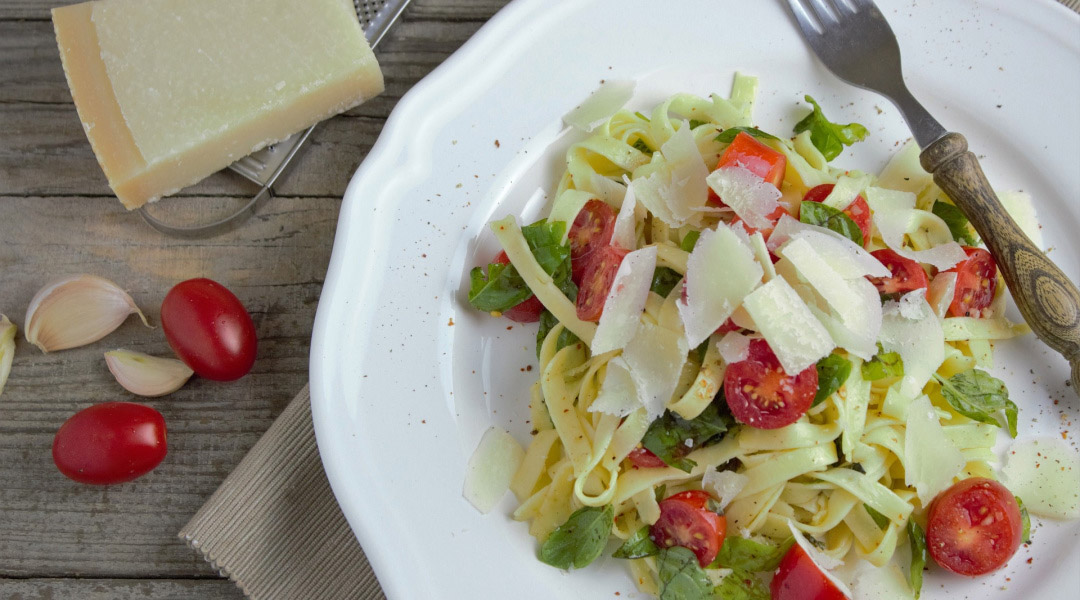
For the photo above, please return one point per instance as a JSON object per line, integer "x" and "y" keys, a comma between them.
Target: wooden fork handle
{"x": 1048, "y": 300}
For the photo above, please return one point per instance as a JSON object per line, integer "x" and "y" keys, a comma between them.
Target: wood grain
{"x": 118, "y": 589}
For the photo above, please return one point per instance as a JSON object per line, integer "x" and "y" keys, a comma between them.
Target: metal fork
{"x": 853, "y": 39}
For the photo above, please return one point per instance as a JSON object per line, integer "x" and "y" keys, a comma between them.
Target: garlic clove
{"x": 7, "y": 349}
{"x": 77, "y": 310}
{"x": 147, "y": 375}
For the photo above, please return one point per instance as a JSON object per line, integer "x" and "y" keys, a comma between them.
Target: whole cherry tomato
{"x": 209, "y": 329}
{"x": 110, "y": 443}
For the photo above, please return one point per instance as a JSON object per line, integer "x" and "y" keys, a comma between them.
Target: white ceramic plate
{"x": 405, "y": 376}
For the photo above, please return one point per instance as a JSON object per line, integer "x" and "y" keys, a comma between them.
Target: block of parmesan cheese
{"x": 170, "y": 91}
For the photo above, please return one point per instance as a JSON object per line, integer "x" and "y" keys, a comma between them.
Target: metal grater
{"x": 265, "y": 166}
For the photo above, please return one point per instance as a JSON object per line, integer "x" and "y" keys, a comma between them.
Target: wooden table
{"x": 60, "y": 539}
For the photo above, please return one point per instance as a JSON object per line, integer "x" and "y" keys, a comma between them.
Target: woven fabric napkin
{"x": 274, "y": 527}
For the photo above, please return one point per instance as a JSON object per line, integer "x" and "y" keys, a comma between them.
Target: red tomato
{"x": 858, "y": 210}
{"x": 592, "y": 230}
{"x": 774, "y": 217}
{"x": 109, "y": 443}
{"x": 643, "y": 458}
{"x": 799, "y": 578}
{"x": 727, "y": 327}
{"x": 684, "y": 521}
{"x": 600, "y": 269}
{"x": 747, "y": 152}
{"x": 760, "y": 394}
{"x": 528, "y": 311}
{"x": 974, "y": 527}
{"x": 976, "y": 282}
{"x": 209, "y": 329}
{"x": 907, "y": 275}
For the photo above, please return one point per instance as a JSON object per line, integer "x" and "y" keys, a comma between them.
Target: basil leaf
{"x": 688, "y": 242}
{"x": 642, "y": 146}
{"x": 748, "y": 555}
{"x": 545, "y": 241}
{"x": 978, "y": 395}
{"x": 667, "y": 436}
{"x": 881, "y": 520}
{"x": 832, "y": 372}
{"x": 1025, "y": 519}
{"x": 957, "y": 222}
{"x": 681, "y": 577}
{"x": 664, "y": 280}
{"x": 501, "y": 288}
{"x": 917, "y": 539}
{"x": 728, "y": 135}
{"x": 661, "y": 492}
{"x": 694, "y": 123}
{"x": 884, "y": 364}
{"x": 741, "y": 584}
{"x": 579, "y": 540}
{"x": 547, "y": 323}
{"x": 828, "y": 137}
{"x": 638, "y": 545}
{"x": 823, "y": 215}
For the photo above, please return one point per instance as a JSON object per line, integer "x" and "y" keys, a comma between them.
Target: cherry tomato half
{"x": 974, "y": 527}
{"x": 643, "y": 458}
{"x": 976, "y": 282}
{"x": 858, "y": 210}
{"x": 906, "y": 274}
{"x": 773, "y": 217}
{"x": 209, "y": 329}
{"x": 760, "y": 394}
{"x": 798, "y": 577}
{"x": 592, "y": 230}
{"x": 528, "y": 311}
{"x": 684, "y": 521}
{"x": 600, "y": 269}
{"x": 747, "y": 152}
{"x": 110, "y": 443}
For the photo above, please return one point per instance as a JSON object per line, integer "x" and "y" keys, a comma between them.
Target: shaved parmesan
{"x": 912, "y": 329}
{"x": 1021, "y": 209}
{"x": 600, "y": 105}
{"x": 797, "y": 338}
{"x": 761, "y": 253}
{"x": 1046, "y": 474}
{"x": 856, "y": 332}
{"x": 655, "y": 356}
{"x": 882, "y": 583}
{"x": 607, "y": 189}
{"x": 625, "y": 301}
{"x": 618, "y": 394}
{"x": 752, "y": 198}
{"x": 725, "y": 485}
{"x": 845, "y": 191}
{"x": 625, "y": 232}
{"x": 733, "y": 347}
{"x": 566, "y": 208}
{"x": 940, "y": 293}
{"x": 676, "y": 191}
{"x": 931, "y": 461}
{"x": 829, "y": 284}
{"x": 845, "y": 257}
{"x": 896, "y": 217}
{"x": 720, "y": 272}
{"x": 491, "y": 468}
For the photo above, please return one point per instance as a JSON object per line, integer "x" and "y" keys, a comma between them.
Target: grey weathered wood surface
{"x": 59, "y": 539}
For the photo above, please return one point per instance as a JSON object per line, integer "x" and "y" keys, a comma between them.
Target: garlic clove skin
{"x": 76, "y": 310}
{"x": 146, "y": 375}
{"x": 7, "y": 349}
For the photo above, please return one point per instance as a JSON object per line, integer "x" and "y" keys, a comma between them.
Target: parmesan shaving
{"x": 725, "y": 485}
{"x": 751, "y": 197}
{"x": 625, "y": 231}
{"x": 1046, "y": 474}
{"x": 734, "y": 347}
{"x": 655, "y": 356}
{"x": 600, "y": 105}
{"x": 625, "y": 301}
{"x": 931, "y": 461}
{"x": 618, "y": 394}
{"x": 912, "y": 329}
{"x": 491, "y": 468}
{"x": 720, "y": 272}
{"x": 795, "y": 336}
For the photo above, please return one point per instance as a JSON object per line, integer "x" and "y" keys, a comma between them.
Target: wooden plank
{"x": 119, "y": 589}
{"x": 51, "y": 526}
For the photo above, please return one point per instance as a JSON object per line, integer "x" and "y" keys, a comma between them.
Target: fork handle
{"x": 1048, "y": 300}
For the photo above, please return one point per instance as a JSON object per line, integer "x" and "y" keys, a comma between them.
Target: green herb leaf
{"x": 828, "y": 137}
{"x": 957, "y": 222}
{"x": 664, "y": 280}
{"x": 502, "y": 288}
{"x": 694, "y": 123}
{"x": 917, "y": 539}
{"x": 681, "y": 577}
{"x": 881, "y": 520}
{"x": 1025, "y": 519}
{"x": 978, "y": 395}
{"x": 816, "y": 213}
{"x": 641, "y": 116}
{"x": 547, "y": 323}
{"x": 668, "y": 434}
{"x": 884, "y": 364}
{"x": 545, "y": 241}
{"x": 832, "y": 372}
{"x": 741, "y": 584}
{"x": 642, "y": 146}
{"x": 687, "y": 244}
{"x": 579, "y": 540}
{"x": 638, "y": 545}
{"x": 728, "y": 135}
{"x": 748, "y": 555}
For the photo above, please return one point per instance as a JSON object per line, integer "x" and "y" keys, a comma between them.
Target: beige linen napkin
{"x": 274, "y": 527}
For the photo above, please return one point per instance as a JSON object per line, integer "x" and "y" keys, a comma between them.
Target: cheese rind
{"x": 173, "y": 90}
